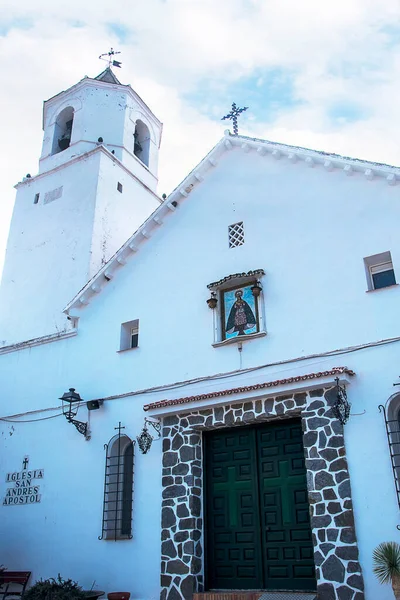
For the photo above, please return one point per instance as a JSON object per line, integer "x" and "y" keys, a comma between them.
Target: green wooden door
{"x": 257, "y": 522}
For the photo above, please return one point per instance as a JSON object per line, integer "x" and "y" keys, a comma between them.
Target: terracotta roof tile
{"x": 249, "y": 388}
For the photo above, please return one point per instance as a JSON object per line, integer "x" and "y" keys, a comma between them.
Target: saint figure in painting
{"x": 241, "y": 317}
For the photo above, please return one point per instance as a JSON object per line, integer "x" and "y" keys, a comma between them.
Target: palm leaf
{"x": 386, "y": 558}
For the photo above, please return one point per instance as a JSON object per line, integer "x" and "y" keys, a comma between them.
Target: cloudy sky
{"x": 324, "y": 75}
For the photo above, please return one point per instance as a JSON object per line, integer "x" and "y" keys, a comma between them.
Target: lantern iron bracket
{"x": 80, "y": 426}
{"x": 155, "y": 424}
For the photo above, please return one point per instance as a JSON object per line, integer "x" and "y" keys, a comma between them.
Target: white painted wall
{"x": 309, "y": 230}
{"x": 48, "y": 250}
{"x": 55, "y": 248}
{"x": 117, "y": 215}
{"x": 60, "y": 534}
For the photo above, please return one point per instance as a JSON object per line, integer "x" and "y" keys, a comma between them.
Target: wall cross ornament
{"x": 233, "y": 116}
{"x": 341, "y": 408}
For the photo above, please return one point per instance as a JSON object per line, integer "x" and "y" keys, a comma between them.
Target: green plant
{"x": 55, "y": 589}
{"x": 386, "y": 567}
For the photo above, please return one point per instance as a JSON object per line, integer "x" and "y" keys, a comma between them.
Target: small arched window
{"x": 118, "y": 489}
{"x": 141, "y": 147}
{"x": 63, "y": 130}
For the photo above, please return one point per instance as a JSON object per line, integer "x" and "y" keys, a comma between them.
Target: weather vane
{"x": 110, "y": 58}
{"x": 233, "y": 115}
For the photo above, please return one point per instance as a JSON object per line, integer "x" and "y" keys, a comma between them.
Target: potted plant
{"x": 55, "y": 589}
{"x": 386, "y": 567}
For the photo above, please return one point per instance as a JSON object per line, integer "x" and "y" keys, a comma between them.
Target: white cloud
{"x": 338, "y": 52}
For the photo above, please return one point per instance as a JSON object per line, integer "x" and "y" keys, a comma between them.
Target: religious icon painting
{"x": 239, "y": 312}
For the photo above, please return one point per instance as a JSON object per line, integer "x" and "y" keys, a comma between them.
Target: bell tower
{"x": 96, "y": 184}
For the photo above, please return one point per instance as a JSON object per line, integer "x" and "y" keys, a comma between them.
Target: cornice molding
{"x": 251, "y": 274}
{"x": 294, "y": 155}
{"x": 88, "y": 81}
{"x": 84, "y": 156}
{"x": 334, "y": 372}
{"x": 46, "y": 339}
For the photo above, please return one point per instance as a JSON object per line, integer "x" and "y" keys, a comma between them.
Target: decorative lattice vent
{"x": 236, "y": 234}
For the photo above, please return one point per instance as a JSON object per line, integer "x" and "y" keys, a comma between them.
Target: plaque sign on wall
{"x": 24, "y": 485}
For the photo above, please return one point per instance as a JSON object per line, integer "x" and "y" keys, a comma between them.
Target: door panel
{"x": 285, "y": 521}
{"x": 233, "y": 530}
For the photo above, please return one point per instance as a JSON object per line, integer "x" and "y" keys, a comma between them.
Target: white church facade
{"x": 247, "y": 322}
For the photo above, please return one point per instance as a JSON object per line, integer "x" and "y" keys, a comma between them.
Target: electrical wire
{"x": 10, "y": 420}
{"x": 215, "y": 377}
{"x": 229, "y": 374}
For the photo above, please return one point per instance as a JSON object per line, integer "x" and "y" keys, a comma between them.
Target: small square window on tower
{"x": 379, "y": 271}
{"x": 119, "y": 187}
{"x": 236, "y": 234}
{"x": 36, "y": 199}
{"x": 129, "y": 335}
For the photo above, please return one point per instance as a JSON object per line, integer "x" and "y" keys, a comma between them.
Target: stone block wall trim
{"x": 338, "y": 571}
{"x": 334, "y": 372}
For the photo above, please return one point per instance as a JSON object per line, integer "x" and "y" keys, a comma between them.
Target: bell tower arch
{"x": 63, "y": 130}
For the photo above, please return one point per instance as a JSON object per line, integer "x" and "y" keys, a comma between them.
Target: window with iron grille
{"x": 118, "y": 489}
{"x": 391, "y": 413}
{"x": 236, "y": 234}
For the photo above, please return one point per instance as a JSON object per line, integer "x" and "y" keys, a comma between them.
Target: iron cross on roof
{"x": 110, "y": 59}
{"x": 233, "y": 115}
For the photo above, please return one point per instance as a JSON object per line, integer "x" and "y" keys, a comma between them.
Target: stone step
{"x": 231, "y": 595}
{"x": 288, "y": 596}
{"x": 255, "y": 595}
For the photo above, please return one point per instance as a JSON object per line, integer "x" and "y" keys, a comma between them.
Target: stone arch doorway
{"x": 335, "y": 549}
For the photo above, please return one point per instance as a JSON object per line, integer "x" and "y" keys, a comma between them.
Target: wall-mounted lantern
{"x": 341, "y": 408}
{"x": 70, "y": 403}
{"x": 256, "y": 289}
{"x": 213, "y": 300}
{"x": 145, "y": 439}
